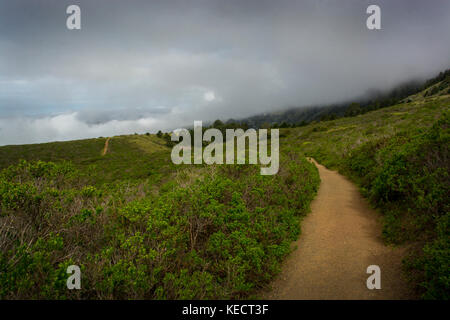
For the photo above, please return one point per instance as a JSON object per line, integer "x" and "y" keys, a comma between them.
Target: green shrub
{"x": 436, "y": 261}
{"x": 407, "y": 175}
{"x": 223, "y": 235}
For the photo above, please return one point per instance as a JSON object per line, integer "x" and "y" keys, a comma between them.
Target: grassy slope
{"x": 331, "y": 141}
{"x": 400, "y": 158}
{"x": 128, "y": 157}
{"x": 141, "y": 227}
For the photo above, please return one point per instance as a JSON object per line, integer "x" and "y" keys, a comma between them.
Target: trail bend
{"x": 341, "y": 237}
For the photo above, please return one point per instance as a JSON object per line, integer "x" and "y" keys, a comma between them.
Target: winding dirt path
{"x": 340, "y": 238}
{"x": 105, "y": 148}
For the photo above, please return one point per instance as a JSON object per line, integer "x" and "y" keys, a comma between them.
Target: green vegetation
{"x": 143, "y": 230}
{"x": 399, "y": 156}
{"x": 128, "y": 157}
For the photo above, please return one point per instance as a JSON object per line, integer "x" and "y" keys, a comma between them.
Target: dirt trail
{"x": 340, "y": 238}
{"x": 105, "y": 148}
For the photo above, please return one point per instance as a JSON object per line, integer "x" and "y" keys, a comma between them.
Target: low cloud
{"x": 68, "y": 127}
{"x": 92, "y": 116}
{"x": 148, "y": 65}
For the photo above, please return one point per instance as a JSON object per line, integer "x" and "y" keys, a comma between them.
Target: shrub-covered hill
{"x": 400, "y": 158}
{"x": 127, "y": 157}
{"x": 140, "y": 227}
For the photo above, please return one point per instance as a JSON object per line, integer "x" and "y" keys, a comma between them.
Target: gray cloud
{"x": 137, "y": 60}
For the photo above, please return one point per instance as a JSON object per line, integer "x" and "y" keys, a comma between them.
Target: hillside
{"x": 399, "y": 156}
{"x": 142, "y": 228}
{"x": 128, "y": 157}
{"x": 373, "y": 100}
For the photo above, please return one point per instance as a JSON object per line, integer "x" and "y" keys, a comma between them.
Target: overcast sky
{"x": 138, "y": 66}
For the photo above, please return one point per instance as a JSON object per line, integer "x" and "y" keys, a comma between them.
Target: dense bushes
{"x": 408, "y": 176}
{"x": 208, "y": 232}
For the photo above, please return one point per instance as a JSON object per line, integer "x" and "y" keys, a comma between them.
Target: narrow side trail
{"x": 105, "y": 148}
{"x": 340, "y": 238}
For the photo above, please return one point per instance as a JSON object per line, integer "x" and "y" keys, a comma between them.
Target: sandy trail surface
{"x": 106, "y": 147}
{"x": 340, "y": 238}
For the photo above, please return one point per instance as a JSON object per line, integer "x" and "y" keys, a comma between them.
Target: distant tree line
{"x": 375, "y": 100}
